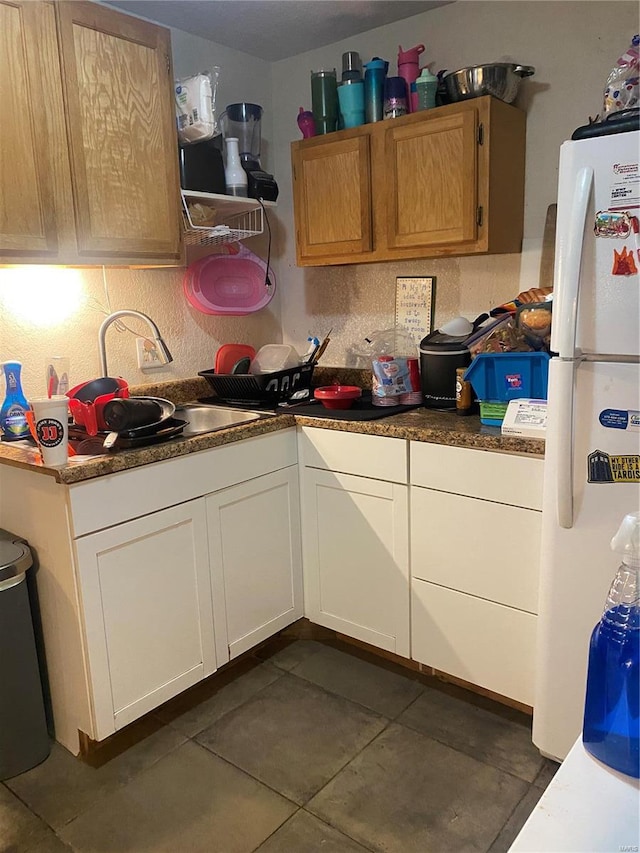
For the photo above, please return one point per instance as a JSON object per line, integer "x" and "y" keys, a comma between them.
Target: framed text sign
{"x": 415, "y": 297}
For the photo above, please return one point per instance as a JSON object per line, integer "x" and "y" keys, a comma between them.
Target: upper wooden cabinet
{"x": 441, "y": 182}
{"x": 88, "y": 151}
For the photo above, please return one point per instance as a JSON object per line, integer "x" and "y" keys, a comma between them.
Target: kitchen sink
{"x": 204, "y": 419}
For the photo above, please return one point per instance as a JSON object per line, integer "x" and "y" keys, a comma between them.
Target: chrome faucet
{"x": 155, "y": 334}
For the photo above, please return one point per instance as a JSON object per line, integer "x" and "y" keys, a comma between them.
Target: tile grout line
{"x": 462, "y": 752}
{"x": 511, "y": 814}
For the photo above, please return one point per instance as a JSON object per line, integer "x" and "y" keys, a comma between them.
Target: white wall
{"x": 572, "y": 45}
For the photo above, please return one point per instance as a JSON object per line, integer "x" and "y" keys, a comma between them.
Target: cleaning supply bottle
{"x": 611, "y": 730}
{"x": 13, "y": 417}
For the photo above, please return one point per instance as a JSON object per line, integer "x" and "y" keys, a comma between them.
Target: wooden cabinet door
{"x": 332, "y": 197}
{"x": 118, "y": 91}
{"x": 30, "y": 150}
{"x": 256, "y": 560}
{"x": 355, "y": 557}
{"x": 146, "y": 598}
{"x": 431, "y": 181}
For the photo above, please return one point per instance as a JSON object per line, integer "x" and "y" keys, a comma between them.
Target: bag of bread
{"x": 534, "y": 321}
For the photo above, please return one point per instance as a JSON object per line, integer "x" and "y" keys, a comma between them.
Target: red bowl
{"x": 337, "y": 396}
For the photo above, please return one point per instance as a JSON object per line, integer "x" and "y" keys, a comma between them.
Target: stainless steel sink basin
{"x": 211, "y": 418}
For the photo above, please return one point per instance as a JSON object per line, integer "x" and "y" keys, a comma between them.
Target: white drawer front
{"x": 499, "y": 477}
{"x": 109, "y": 500}
{"x": 481, "y": 642}
{"x": 486, "y": 549}
{"x": 374, "y": 456}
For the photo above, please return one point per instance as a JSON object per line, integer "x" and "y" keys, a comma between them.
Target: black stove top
{"x": 361, "y": 410}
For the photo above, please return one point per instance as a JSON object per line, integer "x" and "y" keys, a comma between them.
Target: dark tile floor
{"x": 316, "y": 747}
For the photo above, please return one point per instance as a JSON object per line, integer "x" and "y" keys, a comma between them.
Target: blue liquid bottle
{"x": 13, "y": 419}
{"x": 611, "y": 730}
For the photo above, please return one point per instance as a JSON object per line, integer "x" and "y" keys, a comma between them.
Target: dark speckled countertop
{"x": 416, "y": 425}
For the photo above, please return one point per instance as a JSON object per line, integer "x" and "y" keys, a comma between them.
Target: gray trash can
{"x": 24, "y": 741}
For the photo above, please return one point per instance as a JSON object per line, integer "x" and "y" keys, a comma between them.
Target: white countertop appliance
{"x": 592, "y": 457}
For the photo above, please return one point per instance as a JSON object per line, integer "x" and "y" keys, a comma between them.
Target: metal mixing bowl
{"x": 500, "y": 79}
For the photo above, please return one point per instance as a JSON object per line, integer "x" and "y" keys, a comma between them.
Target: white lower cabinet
{"x": 151, "y": 579}
{"x": 479, "y": 641}
{"x": 146, "y": 598}
{"x": 356, "y": 538}
{"x": 255, "y": 553}
{"x": 475, "y": 549}
{"x": 169, "y": 597}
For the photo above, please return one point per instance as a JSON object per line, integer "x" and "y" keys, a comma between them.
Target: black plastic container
{"x": 440, "y": 356}
{"x": 202, "y": 167}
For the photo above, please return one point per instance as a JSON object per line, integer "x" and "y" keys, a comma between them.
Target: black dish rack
{"x": 260, "y": 388}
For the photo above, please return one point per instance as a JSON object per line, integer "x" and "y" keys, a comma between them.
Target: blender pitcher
{"x": 242, "y": 122}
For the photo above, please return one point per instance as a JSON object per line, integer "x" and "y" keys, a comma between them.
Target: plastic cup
{"x": 351, "y": 99}
{"x": 324, "y": 101}
{"x": 57, "y": 375}
{"x": 51, "y": 415}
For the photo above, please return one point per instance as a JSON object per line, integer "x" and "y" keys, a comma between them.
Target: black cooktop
{"x": 361, "y": 410}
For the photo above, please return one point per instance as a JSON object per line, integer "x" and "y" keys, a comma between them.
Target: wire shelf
{"x": 231, "y": 219}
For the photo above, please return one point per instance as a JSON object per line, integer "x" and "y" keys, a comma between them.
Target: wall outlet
{"x": 148, "y": 355}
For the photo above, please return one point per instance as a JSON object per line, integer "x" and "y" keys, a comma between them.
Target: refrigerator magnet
{"x": 612, "y": 224}
{"x": 619, "y": 419}
{"x": 623, "y": 263}
{"x": 609, "y": 468}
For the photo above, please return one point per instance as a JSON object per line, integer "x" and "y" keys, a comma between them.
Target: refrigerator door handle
{"x": 564, "y": 430}
{"x": 569, "y": 265}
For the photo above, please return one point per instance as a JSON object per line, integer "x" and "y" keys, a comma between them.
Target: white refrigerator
{"x": 592, "y": 456}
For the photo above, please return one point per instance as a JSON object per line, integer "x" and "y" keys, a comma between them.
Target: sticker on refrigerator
{"x": 610, "y": 223}
{"x": 608, "y": 468}
{"x": 623, "y": 263}
{"x": 624, "y": 190}
{"x": 619, "y": 419}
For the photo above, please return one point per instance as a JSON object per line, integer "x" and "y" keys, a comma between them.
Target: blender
{"x": 242, "y": 122}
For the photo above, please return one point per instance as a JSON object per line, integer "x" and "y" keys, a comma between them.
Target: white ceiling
{"x": 275, "y": 29}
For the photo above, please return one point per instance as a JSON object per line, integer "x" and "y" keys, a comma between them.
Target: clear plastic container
{"x": 273, "y": 357}
{"x": 611, "y": 730}
{"x": 394, "y": 362}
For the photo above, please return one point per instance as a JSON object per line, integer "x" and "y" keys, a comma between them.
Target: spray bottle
{"x": 13, "y": 418}
{"x": 611, "y": 729}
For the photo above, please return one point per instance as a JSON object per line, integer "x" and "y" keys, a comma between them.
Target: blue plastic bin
{"x": 500, "y": 377}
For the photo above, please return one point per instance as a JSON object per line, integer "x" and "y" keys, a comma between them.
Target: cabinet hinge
{"x": 479, "y": 213}
{"x": 481, "y": 134}
{"x": 168, "y": 61}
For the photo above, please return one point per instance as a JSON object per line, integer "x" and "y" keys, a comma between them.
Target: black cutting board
{"x": 361, "y": 410}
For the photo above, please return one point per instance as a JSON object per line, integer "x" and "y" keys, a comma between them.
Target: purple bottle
{"x": 395, "y": 98}
{"x": 306, "y": 123}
